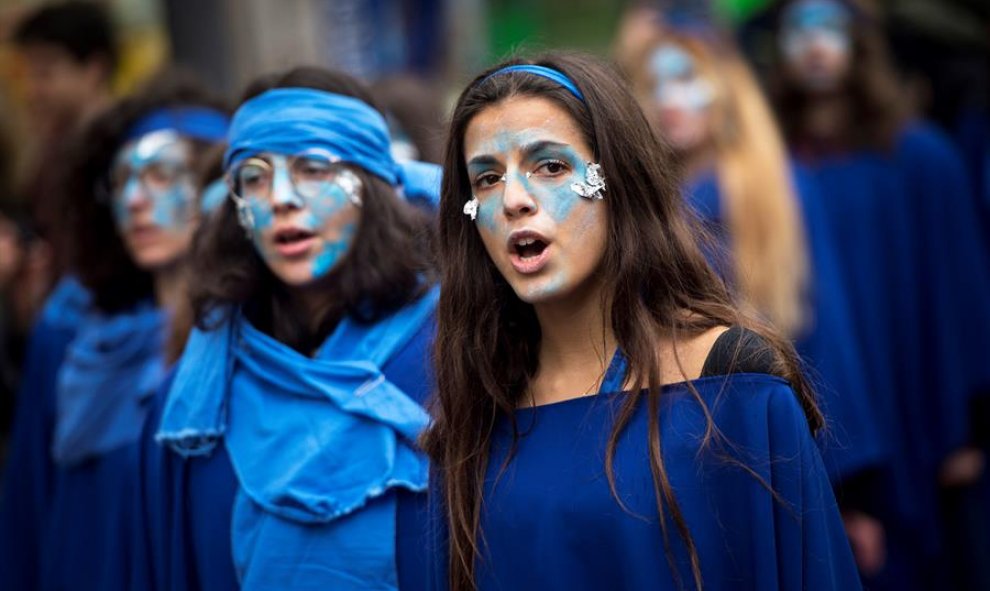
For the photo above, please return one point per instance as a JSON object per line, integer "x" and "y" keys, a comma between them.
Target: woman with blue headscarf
{"x": 284, "y": 453}
{"x": 100, "y": 348}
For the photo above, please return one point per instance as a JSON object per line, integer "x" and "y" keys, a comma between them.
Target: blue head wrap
{"x": 544, "y": 72}
{"x": 292, "y": 120}
{"x": 199, "y": 123}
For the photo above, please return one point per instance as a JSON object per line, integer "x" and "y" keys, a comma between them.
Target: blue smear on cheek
{"x": 169, "y": 209}
{"x": 264, "y": 217}
{"x": 121, "y": 203}
{"x": 333, "y": 252}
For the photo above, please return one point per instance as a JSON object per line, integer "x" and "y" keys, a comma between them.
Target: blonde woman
{"x": 771, "y": 246}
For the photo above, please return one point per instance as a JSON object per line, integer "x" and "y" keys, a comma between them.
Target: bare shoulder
{"x": 684, "y": 359}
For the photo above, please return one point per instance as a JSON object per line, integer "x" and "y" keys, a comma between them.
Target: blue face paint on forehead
{"x": 817, "y": 14}
{"x": 671, "y": 62}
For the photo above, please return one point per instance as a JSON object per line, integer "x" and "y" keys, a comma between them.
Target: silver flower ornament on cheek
{"x": 593, "y": 186}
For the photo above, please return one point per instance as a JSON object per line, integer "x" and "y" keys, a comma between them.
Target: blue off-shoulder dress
{"x": 758, "y": 503}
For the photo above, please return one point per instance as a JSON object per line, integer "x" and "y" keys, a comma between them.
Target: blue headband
{"x": 544, "y": 72}
{"x": 199, "y": 123}
{"x": 293, "y": 120}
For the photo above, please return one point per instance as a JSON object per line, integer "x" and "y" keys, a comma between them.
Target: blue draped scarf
{"x": 311, "y": 441}
{"x": 110, "y": 371}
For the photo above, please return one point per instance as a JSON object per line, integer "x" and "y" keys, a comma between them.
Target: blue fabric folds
{"x": 292, "y": 120}
{"x": 110, "y": 370}
{"x": 311, "y": 440}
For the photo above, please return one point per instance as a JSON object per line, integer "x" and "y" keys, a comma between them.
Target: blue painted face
{"x": 304, "y": 212}
{"x": 679, "y": 85}
{"x": 524, "y": 158}
{"x": 815, "y": 39}
{"x": 151, "y": 183}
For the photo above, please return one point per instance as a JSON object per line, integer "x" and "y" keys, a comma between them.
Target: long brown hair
{"x": 877, "y": 101}
{"x": 487, "y": 339}
{"x": 763, "y": 215}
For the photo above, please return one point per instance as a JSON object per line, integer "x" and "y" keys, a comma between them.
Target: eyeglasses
{"x": 157, "y": 162}
{"x": 308, "y": 173}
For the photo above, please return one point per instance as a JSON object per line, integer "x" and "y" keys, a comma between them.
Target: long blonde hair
{"x": 762, "y": 212}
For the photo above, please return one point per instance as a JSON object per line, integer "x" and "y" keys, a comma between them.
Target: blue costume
{"x": 550, "y": 521}
{"x": 67, "y": 496}
{"x": 276, "y": 471}
{"x": 29, "y": 474}
{"x": 851, "y": 444}
{"x": 904, "y": 231}
{"x": 66, "y": 509}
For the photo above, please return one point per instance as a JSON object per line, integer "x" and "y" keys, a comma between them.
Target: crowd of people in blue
{"x": 649, "y": 323}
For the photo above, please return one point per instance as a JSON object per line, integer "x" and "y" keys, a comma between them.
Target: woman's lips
{"x": 293, "y": 241}
{"x": 529, "y": 251}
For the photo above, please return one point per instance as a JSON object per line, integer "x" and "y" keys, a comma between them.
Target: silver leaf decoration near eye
{"x": 471, "y": 208}
{"x": 593, "y": 186}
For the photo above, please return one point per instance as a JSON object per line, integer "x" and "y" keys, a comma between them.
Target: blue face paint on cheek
{"x": 334, "y": 252}
{"x": 170, "y": 209}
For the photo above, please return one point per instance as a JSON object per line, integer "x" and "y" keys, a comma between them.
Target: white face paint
{"x": 683, "y": 97}
{"x": 816, "y": 43}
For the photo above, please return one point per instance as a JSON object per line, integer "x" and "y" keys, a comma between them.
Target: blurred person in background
{"x": 781, "y": 261}
{"x": 69, "y": 55}
{"x": 281, "y": 452}
{"x": 101, "y": 347}
{"x": 899, "y": 204}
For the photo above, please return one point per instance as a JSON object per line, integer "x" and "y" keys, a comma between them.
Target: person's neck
{"x": 697, "y": 161}
{"x": 170, "y": 286}
{"x": 826, "y": 117}
{"x": 576, "y": 344}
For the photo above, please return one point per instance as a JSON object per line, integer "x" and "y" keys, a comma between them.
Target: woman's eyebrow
{"x": 482, "y": 160}
{"x": 536, "y": 147}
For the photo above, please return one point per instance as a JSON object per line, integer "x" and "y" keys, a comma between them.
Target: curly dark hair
{"x": 389, "y": 265}
{"x": 98, "y": 254}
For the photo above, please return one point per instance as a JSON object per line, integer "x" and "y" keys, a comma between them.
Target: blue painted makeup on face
{"x": 677, "y": 81}
{"x": 319, "y": 212}
{"x": 815, "y": 21}
{"x": 553, "y": 168}
{"x": 552, "y": 193}
{"x": 154, "y": 168}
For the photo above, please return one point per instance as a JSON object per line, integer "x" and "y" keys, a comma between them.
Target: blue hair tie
{"x": 293, "y": 120}
{"x": 199, "y": 123}
{"x": 544, "y": 72}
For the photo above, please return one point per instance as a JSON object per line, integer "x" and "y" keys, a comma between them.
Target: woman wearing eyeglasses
{"x": 100, "y": 350}
{"x": 287, "y": 454}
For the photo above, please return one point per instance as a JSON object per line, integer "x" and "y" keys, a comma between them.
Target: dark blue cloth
{"x": 550, "y": 521}
{"x": 913, "y": 264}
{"x": 851, "y": 442}
{"x": 62, "y": 526}
{"x": 186, "y": 504}
{"x": 29, "y": 474}
{"x": 112, "y": 367}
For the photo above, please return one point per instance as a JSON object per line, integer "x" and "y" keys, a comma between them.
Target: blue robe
{"x": 906, "y": 239}
{"x": 549, "y": 521}
{"x": 186, "y": 504}
{"x": 62, "y": 526}
{"x": 29, "y": 475}
{"x": 850, "y": 445}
